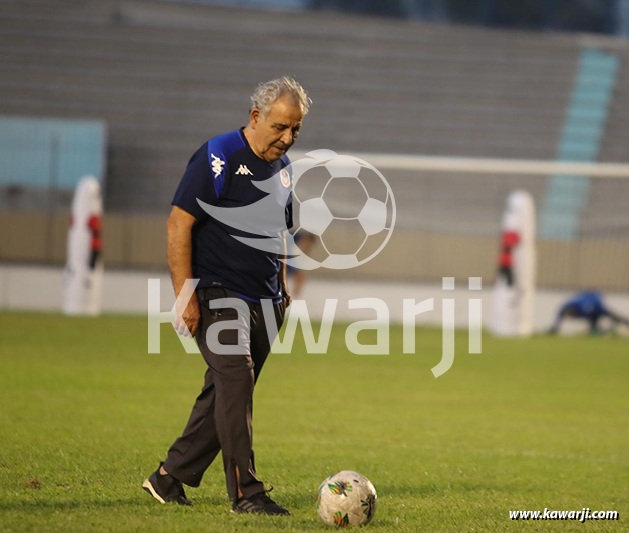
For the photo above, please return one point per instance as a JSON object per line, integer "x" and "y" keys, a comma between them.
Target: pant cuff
{"x": 181, "y": 476}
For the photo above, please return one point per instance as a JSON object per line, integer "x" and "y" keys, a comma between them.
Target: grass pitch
{"x": 87, "y": 414}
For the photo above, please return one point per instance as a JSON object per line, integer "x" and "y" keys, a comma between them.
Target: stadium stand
{"x": 165, "y": 77}
{"x": 614, "y": 147}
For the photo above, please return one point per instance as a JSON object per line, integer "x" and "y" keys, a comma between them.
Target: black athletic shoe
{"x": 165, "y": 488}
{"x": 259, "y": 504}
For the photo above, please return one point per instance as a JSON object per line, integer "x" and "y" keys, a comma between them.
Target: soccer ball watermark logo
{"x": 353, "y": 208}
{"x": 348, "y": 204}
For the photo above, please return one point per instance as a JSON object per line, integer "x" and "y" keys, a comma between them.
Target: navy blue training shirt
{"x": 220, "y": 173}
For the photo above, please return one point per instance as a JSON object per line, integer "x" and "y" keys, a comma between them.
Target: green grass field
{"x": 87, "y": 414}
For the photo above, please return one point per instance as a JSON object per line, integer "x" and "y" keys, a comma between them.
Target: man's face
{"x": 274, "y": 134}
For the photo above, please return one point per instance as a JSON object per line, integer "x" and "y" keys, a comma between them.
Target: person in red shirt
{"x": 510, "y": 239}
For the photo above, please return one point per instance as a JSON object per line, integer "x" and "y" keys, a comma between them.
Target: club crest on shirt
{"x": 285, "y": 178}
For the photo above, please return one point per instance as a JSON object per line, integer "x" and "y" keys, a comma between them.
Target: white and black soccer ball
{"x": 346, "y": 499}
{"x": 348, "y": 204}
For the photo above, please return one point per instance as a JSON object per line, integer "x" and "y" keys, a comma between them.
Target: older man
{"x": 222, "y": 174}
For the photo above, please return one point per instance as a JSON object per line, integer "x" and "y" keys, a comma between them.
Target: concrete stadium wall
{"x": 28, "y": 288}
{"x": 138, "y": 242}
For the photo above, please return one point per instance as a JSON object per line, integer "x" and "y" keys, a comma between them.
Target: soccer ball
{"x": 346, "y": 499}
{"x": 347, "y": 203}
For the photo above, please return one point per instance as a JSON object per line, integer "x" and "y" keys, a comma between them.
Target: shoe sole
{"x": 149, "y": 488}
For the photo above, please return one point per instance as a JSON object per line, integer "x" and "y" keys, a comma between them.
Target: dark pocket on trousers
{"x": 212, "y": 315}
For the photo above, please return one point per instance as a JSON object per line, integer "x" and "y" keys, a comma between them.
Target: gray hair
{"x": 268, "y": 92}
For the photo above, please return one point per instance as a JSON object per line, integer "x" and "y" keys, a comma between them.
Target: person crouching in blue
{"x": 587, "y": 306}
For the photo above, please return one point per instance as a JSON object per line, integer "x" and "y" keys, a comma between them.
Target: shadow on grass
{"x": 429, "y": 490}
{"x": 52, "y": 505}
{"x": 137, "y": 502}
{"x": 302, "y": 506}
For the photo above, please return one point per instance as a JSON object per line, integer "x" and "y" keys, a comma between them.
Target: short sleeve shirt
{"x": 222, "y": 173}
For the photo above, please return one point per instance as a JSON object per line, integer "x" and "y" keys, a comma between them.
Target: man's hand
{"x": 286, "y": 298}
{"x": 188, "y": 318}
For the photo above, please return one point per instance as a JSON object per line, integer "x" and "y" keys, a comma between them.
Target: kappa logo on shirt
{"x": 244, "y": 171}
{"x": 217, "y": 165}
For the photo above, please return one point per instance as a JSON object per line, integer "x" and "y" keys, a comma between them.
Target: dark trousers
{"x": 221, "y": 418}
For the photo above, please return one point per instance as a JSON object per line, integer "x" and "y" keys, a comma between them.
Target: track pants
{"x": 221, "y": 418}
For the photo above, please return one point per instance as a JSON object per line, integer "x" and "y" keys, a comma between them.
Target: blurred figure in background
{"x": 587, "y": 306}
{"x": 305, "y": 241}
{"x": 510, "y": 239}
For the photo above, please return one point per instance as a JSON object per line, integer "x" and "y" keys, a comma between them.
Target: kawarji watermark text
{"x": 299, "y": 315}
